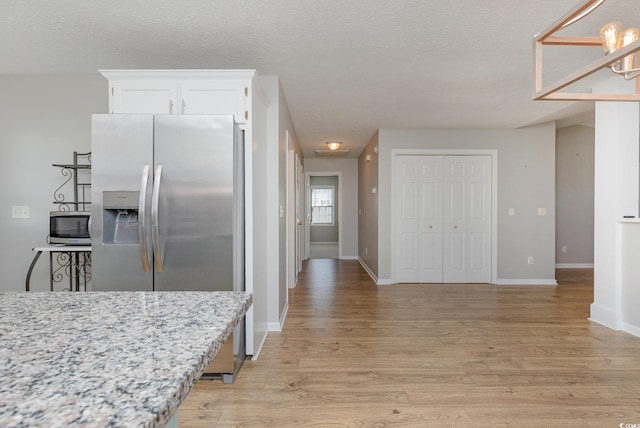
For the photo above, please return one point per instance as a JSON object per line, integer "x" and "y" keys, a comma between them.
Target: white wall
{"x": 368, "y": 208}
{"x": 348, "y": 169}
{"x": 262, "y": 271}
{"x": 574, "y": 196}
{"x": 43, "y": 119}
{"x": 274, "y": 185}
{"x": 526, "y": 182}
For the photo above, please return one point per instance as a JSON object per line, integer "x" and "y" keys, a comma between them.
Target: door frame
{"x": 307, "y": 209}
{"x": 292, "y": 274}
{"x": 493, "y": 153}
{"x": 294, "y": 228}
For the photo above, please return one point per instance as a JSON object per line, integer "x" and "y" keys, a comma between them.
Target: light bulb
{"x": 609, "y": 36}
{"x": 627, "y": 37}
{"x": 334, "y": 145}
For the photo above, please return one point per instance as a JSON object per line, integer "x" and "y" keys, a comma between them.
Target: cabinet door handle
{"x": 170, "y": 106}
{"x": 183, "y": 106}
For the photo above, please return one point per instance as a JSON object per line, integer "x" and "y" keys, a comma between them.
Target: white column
{"x": 617, "y": 139}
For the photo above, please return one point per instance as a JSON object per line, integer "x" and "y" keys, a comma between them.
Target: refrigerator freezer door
{"x": 158, "y": 253}
{"x": 121, "y": 145}
{"x": 142, "y": 219}
{"x": 195, "y": 202}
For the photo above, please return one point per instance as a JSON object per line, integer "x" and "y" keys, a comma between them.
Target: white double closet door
{"x": 443, "y": 219}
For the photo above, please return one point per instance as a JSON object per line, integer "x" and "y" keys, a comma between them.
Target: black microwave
{"x": 69, "y": 227}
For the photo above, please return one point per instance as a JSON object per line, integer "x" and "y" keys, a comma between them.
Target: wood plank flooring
{"x": 353, "y": 354}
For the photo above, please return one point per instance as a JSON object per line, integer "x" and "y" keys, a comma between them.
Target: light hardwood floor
{"x": 353, "y": 354}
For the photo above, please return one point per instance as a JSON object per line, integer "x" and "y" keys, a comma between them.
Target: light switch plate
{"x": 20, "y": 211}
{"x": 512, "y": 212}
{"x": 542, "y": 211}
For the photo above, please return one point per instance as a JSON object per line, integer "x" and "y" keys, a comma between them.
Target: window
{"x": 322, "y": 198}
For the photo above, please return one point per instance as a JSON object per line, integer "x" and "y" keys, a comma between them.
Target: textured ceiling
{"x": 347, "y": 67}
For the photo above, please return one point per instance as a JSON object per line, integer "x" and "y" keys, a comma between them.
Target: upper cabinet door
{"x": 213, "y": 97}
{"x": 144, "y": 96}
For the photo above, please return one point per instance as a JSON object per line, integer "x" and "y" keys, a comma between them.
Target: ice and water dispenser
{"x": 120, "y": 218}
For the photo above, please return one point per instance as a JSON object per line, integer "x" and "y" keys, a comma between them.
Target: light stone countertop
{"x": 99, "y": 359}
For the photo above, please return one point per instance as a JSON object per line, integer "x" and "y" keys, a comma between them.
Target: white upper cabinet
{"x": 143, "y": 96}
{"x": 180, "y": 91}
{"x": 213, "y": 97}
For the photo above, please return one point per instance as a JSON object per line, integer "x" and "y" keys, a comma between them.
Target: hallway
{"x": 459, "y": 355}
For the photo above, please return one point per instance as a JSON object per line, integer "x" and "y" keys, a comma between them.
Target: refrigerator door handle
{"x": 155, "y": 229}
{"x": 142, "y": 218}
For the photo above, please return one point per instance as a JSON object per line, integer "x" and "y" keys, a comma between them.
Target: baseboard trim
{"x": 574, "y": 265}
{"x": 274, "y": 326}
{"x": 369, "y": 271}
{"x": 323, "y": 243}
{"x": 631, "y": 329}
{"x": 386, "y": 281}
{"x": 373, "y": 276}
{"x": 349, "y": 258}
{"x": 526, "y": 282}
{"x": 603, "y": 316}
{"x": 257, "y": 349}
{"x": 278, "y": 326}
{"x": 608, "y": 318}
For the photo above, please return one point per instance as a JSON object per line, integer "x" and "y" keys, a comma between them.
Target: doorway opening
{"x": 323, "y": 216}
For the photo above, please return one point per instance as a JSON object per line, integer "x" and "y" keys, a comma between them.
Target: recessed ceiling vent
{"x": 331, "y": 153}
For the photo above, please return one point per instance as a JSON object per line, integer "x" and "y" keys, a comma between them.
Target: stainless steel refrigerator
{"x": 168, "y": 209}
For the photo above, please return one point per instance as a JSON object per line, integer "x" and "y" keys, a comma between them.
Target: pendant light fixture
{"x": 334, "y": 145}
{"x": 622, "y": 56}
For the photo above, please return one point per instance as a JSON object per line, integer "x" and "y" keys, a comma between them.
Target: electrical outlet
{"x": 564, "y": 249}
{"x": 512, "y": 212}
{"x": 20, "y": 212}
{"x": 530, "y": 260}
{"x": 542, "y": 211}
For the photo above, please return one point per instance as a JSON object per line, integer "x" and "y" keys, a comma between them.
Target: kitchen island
{"x": 107, "y": 358}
